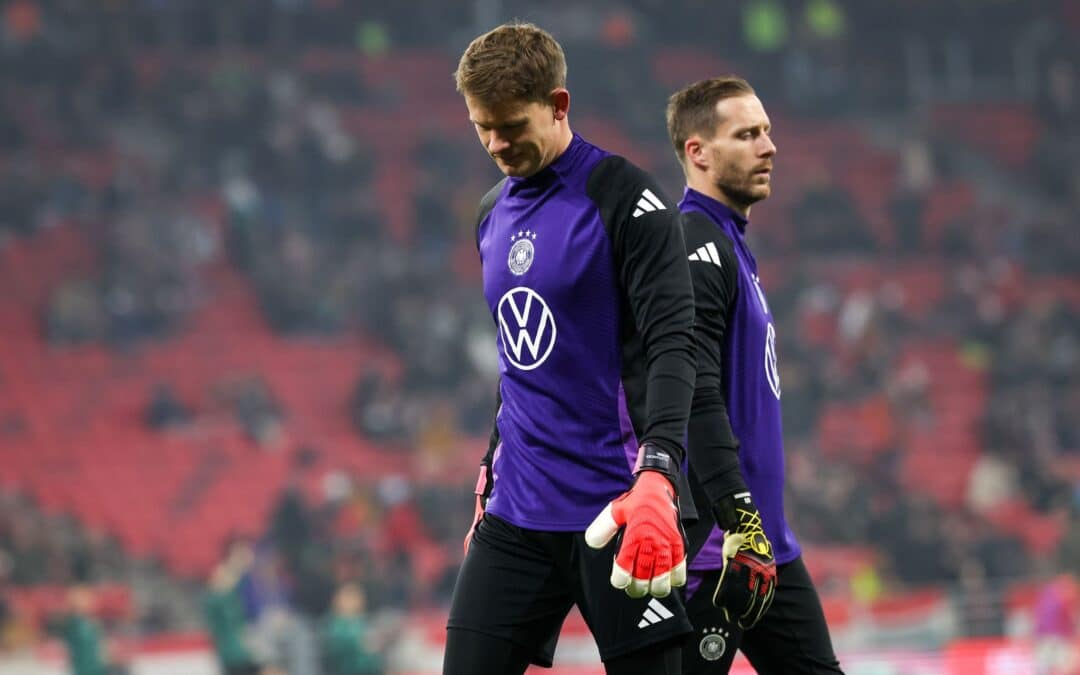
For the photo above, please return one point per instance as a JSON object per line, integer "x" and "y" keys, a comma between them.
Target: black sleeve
{"x": 650, "y": 259}
{"x": 486, "y": 204}
{"x": 712, "y": 447}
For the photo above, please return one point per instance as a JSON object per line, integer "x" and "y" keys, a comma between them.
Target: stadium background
{"x": 239, "y": 301}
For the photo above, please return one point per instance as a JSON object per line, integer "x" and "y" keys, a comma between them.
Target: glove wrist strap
{"x": 739, "y": 515}
{"x": 652, "y": 458}
{"x": 727, "y": 510}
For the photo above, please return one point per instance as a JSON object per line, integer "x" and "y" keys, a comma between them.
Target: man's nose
{"x": 496, "y": 143}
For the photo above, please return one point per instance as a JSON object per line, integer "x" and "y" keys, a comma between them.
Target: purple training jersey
{"x": 577, "y": 309}
{"x": 750, "y": 377}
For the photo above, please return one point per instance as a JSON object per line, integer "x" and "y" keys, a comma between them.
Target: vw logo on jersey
{"x": 772, "y": 372}
{"x": 522, "y": 252}
{"x": 527, "y": 327}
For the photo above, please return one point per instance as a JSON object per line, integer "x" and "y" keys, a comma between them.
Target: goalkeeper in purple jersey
{"x": 748, "y": 587}
{"x": 586, "y": 277}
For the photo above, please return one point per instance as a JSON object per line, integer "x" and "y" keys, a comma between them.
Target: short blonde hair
{"x": 516, "y": 61}
{"x": 692, "y": 109}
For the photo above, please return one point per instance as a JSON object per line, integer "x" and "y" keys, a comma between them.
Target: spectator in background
{"x": 259, "y": 412}
{"x": 827, "y": 220}
{"x": 982, "y": 602}
{"x": 75, "y": 314}
{"x": 377, "y": 408}
{"x": 282, "y": 634}
{"x": 88, "y": 654}
{"x": 7, "y": 614}
{"x": 1069, "y": 549}
{"x": 299, "y": 535}
{"x": 165, "y": 409}
{"x": 224, "y": 611}
{"x": 266, "y": 601}
{"x": 907, "y": 206}
{"x": 255, "y": 408}
{"x": 1056, "y": 612}
{"x": 347, "y": 645}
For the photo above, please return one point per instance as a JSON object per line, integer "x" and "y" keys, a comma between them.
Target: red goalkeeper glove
{"x": 748, "y": 580}
{"x": 482, "y": 491}
{"x": 651, "y": 557}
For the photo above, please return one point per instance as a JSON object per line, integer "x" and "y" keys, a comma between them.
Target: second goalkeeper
{"x": 748, "y": 588}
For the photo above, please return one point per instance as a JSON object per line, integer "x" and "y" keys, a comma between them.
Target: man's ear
{"x": 560, "y": 103}
{"x": 694, "y": 150}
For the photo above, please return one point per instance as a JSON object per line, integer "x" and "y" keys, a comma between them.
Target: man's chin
{"x": 515, "y": 170}
{"x": 758, "y": 193}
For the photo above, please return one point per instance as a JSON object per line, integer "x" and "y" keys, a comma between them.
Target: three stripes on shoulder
{"x": 648, "y": 202}
{"x": 706, "y": 253}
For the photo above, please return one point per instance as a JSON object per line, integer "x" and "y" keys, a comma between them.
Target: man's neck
{"x": 564, "y": 137}
{"x": 700, "y": 183}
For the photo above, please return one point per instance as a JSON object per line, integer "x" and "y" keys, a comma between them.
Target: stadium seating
{"x": 84, "y": 447}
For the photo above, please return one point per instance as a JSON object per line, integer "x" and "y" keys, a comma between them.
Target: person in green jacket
{"x": 224, "y": 612}
{"x": 82, "y": 636}
{"x": 347, "y": 647}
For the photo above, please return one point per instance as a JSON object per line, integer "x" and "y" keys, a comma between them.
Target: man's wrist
{"x": 726, "y": 509}
{"x": 653, "y": 458}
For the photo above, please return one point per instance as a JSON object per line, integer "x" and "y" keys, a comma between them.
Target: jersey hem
{"x": 544, "y": 526}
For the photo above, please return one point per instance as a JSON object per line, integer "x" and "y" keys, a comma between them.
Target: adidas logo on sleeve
{"x": 648, "y": 202}
{"x": 706, "y": 253}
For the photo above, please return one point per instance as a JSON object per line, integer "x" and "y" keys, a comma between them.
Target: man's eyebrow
{"x": 752, "y": 127}
{"x": 507, "y": 123}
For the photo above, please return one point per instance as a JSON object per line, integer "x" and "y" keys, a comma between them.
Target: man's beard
{"x": 742, "y": 195}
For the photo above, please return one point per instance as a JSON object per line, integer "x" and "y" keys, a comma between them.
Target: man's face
{"x": 739, "y": 156}
{"x": 520, "y": 136}
{"x": 349, "y": 601}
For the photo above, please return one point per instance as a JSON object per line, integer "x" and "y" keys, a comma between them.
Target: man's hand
{"x": 482, "y": 491}
{"x": 748, "y": 580}
{"x": 651, "y": 557}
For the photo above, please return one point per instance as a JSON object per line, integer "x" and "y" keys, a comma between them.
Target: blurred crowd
{"x": 184, "y": 137}
{"x": 38, "y": 549}
{"x": 47, "y": 566}
{"x": 271, "y": 609}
